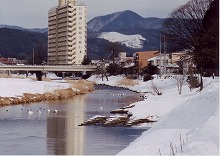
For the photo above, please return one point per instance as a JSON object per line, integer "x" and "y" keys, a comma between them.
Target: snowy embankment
{"x": 131, "y": 41}
{"x": 188, "y": 124}
{"x": 25, "y": 90}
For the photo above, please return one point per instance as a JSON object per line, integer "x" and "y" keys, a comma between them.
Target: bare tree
{"x": 183, "y": 29}
{"x": 114, "y": 48}
{"x": 179, "y": 80}
{"x": 39, "y": 55}
{"x": 156, "y": 89}
{"x": 183, "y": 25}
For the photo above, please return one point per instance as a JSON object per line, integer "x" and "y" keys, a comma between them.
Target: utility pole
{"x": 160, "y": 56}
{"x": 33, "y": 56}
{"x": 165, "y": 58}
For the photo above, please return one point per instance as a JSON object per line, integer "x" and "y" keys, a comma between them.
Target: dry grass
{"x": 127, "y": 82}
{"x": 82, "y": 87}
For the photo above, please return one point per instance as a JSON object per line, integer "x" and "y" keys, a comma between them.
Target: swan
{"x": 55, "y": 111}
{"x": 48, "y": 110}
{"x": 39, "y": 111}
{"x": 101, "y": 109}
{"x": 30, "y": 112}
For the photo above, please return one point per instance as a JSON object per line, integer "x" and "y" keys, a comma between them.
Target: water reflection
{"x": 64, "y": 136}
{"x": 59, "y": 133}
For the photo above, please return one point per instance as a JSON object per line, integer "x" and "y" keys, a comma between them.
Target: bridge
{"x": 39, "y": 69}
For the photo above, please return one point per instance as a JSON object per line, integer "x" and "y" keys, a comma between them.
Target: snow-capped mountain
{"x": 130, "y": 41}
{"x": 98, "y": 23}
{"x": 132, "y": 31}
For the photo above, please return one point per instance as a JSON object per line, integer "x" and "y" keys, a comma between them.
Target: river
{"x": 59, "y": 134}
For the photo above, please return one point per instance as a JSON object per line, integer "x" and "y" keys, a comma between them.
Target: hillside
{"x": 20, "y": 43}
{"x": 120, "y": 21}
{"x": 41, "y": 30}
{"x": 126, "y": 24}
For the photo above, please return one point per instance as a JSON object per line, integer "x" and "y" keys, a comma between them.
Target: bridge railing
{"x": 61, "y": 68}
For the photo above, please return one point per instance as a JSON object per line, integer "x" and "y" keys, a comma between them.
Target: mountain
{"x": 41, "y": 30}
{"x": 124, "y": 20}
{"x": 20, "y": 43}
{"x": 126, "y": 28}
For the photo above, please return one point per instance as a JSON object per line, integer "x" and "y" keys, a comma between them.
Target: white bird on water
{"x": 30, "y": 112}
{"x": 55, "y": 111}
{"x": 101, "y": 109}
{"x": 48, "y": 110}
{"x": 39, "y": 111}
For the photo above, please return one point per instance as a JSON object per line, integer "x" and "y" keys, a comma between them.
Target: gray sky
{"x": 33, "y": 13}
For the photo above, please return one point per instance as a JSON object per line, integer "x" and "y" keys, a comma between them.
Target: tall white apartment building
{"x": 67, "y": 33}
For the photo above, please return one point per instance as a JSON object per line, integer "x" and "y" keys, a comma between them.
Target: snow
{"x": 131, "y": 41}
{"x": 192, "y": 116}
{"x": 14, "y": 87}
{"x": 189, "y": 121}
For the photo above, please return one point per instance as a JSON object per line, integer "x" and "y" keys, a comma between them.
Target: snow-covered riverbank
{"x": 188, "y": 123}
{"x": 25, "y": 90}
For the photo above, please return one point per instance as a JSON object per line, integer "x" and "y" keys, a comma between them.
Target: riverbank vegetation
{"x": 22, "y": 91}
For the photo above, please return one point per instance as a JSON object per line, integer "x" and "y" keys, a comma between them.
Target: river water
{"x": 59, "y": 133}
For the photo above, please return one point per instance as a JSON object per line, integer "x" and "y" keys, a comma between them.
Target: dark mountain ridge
{"x": 41, "y": 30}
{"x": 123, "y": 20}
{"x": 20, "y": 43}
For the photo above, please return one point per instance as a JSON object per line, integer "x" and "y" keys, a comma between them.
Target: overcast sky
{"x": 33, "y": 13}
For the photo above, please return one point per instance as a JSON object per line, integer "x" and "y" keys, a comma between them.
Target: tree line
{"x": 195, "y": 27}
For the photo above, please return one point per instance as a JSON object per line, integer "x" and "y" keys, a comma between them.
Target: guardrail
{"x": 43, "y": 68}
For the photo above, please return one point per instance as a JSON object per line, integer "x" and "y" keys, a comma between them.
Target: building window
{"x": 80, "y": 18}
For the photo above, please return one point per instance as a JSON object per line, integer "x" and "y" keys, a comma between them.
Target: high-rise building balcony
{"x": 71, "y": 58}
{"x": 51, "y": 36}
{"x": 62, "y": 30}
{"x": 72, "y": 39}
{"x": 51, "y": 23}
{"x": 61, "y": 44}
{"x": 71, "y": 53}
{"x": 71, "y": 29}
{"x": 71, "y": 23}
{"x": 63, "y": 20}
{"x": 61, "y": 16}
{"x": 71, "y": 48}
{"x": 62, "y": 10}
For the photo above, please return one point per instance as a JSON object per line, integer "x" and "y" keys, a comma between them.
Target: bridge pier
{"x": 39, "y": 75}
